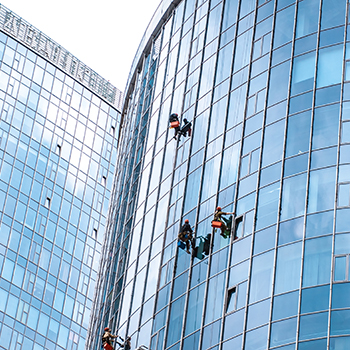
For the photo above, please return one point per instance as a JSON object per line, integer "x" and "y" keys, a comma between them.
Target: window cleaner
{"x": 107, "y": 339}
{"x": 186, "y": 130}
{"x": 185, "y": 236}
{"x": 222, "y": 223}
{"x": 174, "y": 124}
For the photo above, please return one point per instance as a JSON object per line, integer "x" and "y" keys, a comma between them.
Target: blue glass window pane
{"x": 319, "y": 224}
{"x": 290, "y": 231}
{"x": 180, "y": 285}
{"x": 313, "y": 326}
{"x": 293, "y": 196}
{"x": 264, "y": 240}
{"x": 296, "y": 164}
{"x": 240, "y": 250}
{"x": 333, "y": 13}
{"x": 327, "y": 95}
{"x": 33, "y": 317}
{"x": 276, "y": 112}
{"x": 243, "y": 48}
{"x": 199, "y": 273}
{"x": 267, "y": 205}
{"x": 340, "y": 322}
{"x": 18, "y": 276}
{"x": 332, "y": 36}
{"x": 283, "y": 332}
{"x": 256, "y": 339}
{"x": 273, "y": 141}
{"x": 163, "y": 297}
{"x": 6, "y": 336}
{"x": 281, "y": 54}
{"x": 238, "y": 273}
{"x": 342, "y": 220}
{"x": 258, "y": 314}
{"x": 285, "y": 305}
{"x": 230, "y": 13}
{"x": 191, "y": 342}
{"x": 8, "y": 268}
{"x": 288, "y": 268}
{"x": 214, "y": 23}
{"x": 307, "y": 17}
{"x": 320, "y": 344}
{"x": 261, "y": 277}
{"x": 317, "y": 261}
{"x": 242, "y": 295}
{"x": 218, "y": 262}
{"x": 211, "y": 335}
{"x": 300, "y": 103}
{"x": 215, "y": 298}
{"x": 284, "y": 26}
{"x": 224, "y": 63}
{"x": 340, "y": 268}
{"x": 235, "y": 343}
{"x": 229, "y": 166}
{"x": 193, "y": 185}
{"x": 175, "y": 321}
{"x": 195, "y": 309}
{"x": 234, "y": 324}
{"x": 305, "y": 44}
{"x": 325, "y": 130}
{"x": 339, "y": 343}
{"x": 329, "y": 67}
{"x": 287, "y": 347}
{"x": 277, "y": 90}
{"x": 217, "y": 124}
{"x": 5, "y": 233}
{"x": 303, "y": 73}
{"x": 12, "y": 305}
{"x": 342, "y": 244}
{"x": 315, "y": 299}
{"x": 63, "y": 336}
{"x": 298, "y": 134}
{"x": 322, "y": 189}
{"x": 345, "y": 138}
{"x": 270, "y": 174}
{"x": 3, "y": 299}
{"x": 323, "y": 158}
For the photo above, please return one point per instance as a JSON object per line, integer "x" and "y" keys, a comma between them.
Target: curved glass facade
{"x": 57, "y": 158}
{"x": 265, "y": 84}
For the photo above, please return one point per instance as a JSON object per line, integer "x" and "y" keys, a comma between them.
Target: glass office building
{"x": 59, "y": 125}
{"x": 266, "y": 85}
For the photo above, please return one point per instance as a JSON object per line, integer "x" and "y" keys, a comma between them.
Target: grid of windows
{"x": 265, "y": 85}
{"x": 57, "y": 159}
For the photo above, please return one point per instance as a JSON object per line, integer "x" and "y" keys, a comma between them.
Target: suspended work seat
{"x": 216, "y": 224}
{"x": 175, "y": 124}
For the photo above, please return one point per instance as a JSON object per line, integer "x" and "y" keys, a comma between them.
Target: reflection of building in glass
{"x": 57, "y": 156}
{"x": 265, "y": 85}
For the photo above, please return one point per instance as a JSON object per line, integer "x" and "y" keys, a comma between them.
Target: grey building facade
{"x": 59, "y": 124}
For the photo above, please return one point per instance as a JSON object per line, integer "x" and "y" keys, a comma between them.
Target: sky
{"x": 103, "y": 34}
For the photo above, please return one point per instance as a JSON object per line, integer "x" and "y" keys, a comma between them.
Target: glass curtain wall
{"x": 57, "y": 159}
{"x": 266, "y": 87}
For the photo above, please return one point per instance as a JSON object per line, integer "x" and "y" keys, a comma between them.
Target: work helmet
{"x": 106, "y": 329}
{"x": 218, "y": 208}
{"x": 185, "y": 120}
{"x": 187, "y": 221}
{"x": 174, "y": 115}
